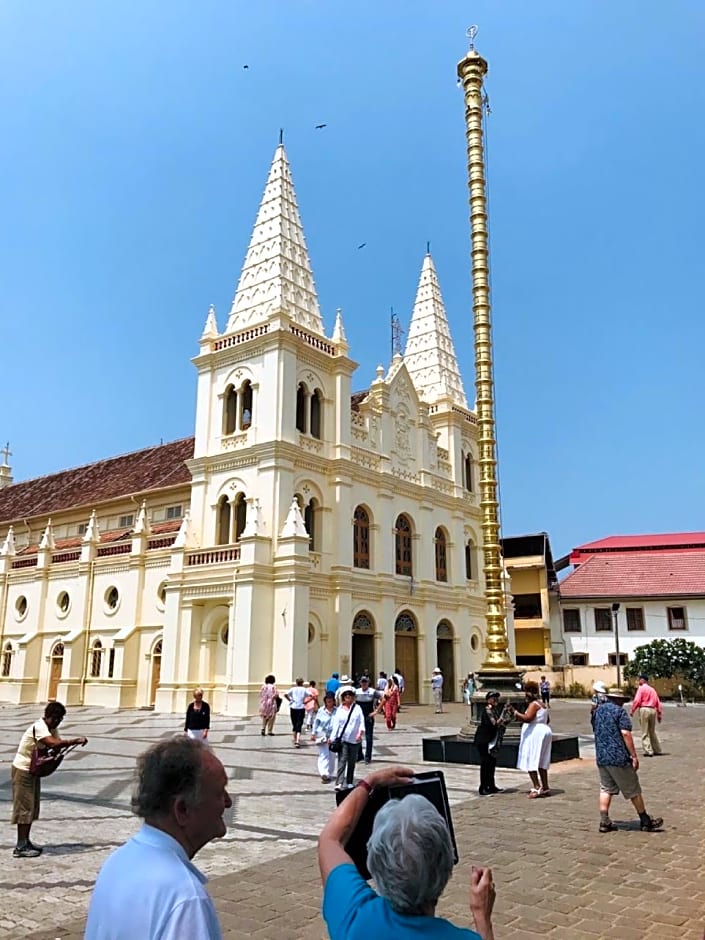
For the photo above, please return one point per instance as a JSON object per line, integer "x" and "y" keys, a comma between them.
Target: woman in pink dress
{"x": 390, "y": 704}
{"x": 268, "y": 704}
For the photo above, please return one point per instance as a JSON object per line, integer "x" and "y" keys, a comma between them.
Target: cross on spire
{"x": 6, "y": 453}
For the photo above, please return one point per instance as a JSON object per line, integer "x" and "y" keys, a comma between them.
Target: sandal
{"x": 533, "y": 793}
{"x": 546, "y": 792}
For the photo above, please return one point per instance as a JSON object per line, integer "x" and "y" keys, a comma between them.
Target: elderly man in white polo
{"x": 437, "y": 689}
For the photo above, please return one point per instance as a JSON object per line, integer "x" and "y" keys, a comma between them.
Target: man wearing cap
{"x": 333, "y": 684}
{"x": 437, "y": 689}
{"x": 487, "y": 730}
{"x": 368, "y": 699}
{"x": 617, "y": 761}
{"x": 650, "y": 711}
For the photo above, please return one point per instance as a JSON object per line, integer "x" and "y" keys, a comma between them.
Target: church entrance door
{"x": 156, "y": 672}
{"x": 445, "y": 659}
{"x": 406, "y": 654}
{"x": 363, "y": 646}
{"x": 363, "y": 656}
{"x": 57, "y": 664}
{"x": 406, "y": 660}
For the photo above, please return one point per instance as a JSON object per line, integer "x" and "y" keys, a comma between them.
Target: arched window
{"x": 222, "y": 536}
{"x": 240, "y": 515}
{"x": 405, "y": 623}
{"x": 402, "y": 538}
{"x": 301, "y": 400}
{"x": 444, "y": 631}
{"x": 316, "y": 413}
{"x": 230, "y": 410}
{"x": 6, "y": 660}
{"x": 470, "y": 561}
{"x": 361, "y": 538}
{"x": 246, "y": 405}
{"x": 96, "y": 659}
{"x": 468, "y": 472}
{"x": 441, "y": 555}
{"x": 311, "y": 515}
{"x": 363, "y": 623}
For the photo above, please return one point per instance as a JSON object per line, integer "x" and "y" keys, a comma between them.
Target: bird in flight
{"x": 319, "y": 127}
{"x": 246, "y": 66}
{"x": 361, "y": 246}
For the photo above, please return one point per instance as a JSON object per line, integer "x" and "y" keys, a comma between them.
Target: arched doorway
{"x": 363, "y": 645}
{"x": 57, "y": 664}
{"x": 446, "y": 659}
{"x": 406, "y": 654}
{"x": 156, "y": 671}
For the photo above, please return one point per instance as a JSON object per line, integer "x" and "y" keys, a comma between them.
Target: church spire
{"x": 210, "y": 330}
{"x": 277, "y": 272}
{"x": 430, "y": 356}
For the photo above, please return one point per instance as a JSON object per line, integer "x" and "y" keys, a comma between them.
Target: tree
{"x": 664, "y": 659}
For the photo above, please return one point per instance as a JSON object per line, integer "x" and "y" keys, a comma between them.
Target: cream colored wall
{"x": 385, "y": 457}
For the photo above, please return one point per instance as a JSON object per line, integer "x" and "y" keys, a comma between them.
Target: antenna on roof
{"x": 397, "y": 333}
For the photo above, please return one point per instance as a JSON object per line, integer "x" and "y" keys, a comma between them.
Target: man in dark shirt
{"x": 617, "y": 761}
{"x": 368, "y": 699}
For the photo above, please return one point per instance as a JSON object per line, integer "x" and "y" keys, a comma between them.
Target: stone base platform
{"x": 454, "y": 749}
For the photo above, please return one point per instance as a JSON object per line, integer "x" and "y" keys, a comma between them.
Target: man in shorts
{"x": 617, "y": 761}
{"x": 26, "y": 787}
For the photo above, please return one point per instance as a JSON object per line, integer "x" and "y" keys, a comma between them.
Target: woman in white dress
{"x": 535, "y": 743}
{"x": 322, "y": 730}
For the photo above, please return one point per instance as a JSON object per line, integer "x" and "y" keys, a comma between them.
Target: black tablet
{"x": 430, "y": 784}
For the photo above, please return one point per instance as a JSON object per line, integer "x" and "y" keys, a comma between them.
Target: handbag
{"x": 278, "y": 701}
{"x": 336, "y": 746}
{"x": 45, "y": 760}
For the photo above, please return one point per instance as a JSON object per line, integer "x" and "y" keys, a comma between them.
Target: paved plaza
{"x": 556, "y": 875}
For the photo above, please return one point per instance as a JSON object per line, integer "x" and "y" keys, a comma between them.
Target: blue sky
{"x": 135, "y": 149}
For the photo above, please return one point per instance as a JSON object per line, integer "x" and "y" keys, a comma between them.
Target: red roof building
{"x": 653, "y": 586}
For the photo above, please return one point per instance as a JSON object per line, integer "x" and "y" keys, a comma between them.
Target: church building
{"x": 305, "y": 527}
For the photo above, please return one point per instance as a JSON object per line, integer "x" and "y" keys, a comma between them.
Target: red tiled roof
{"x": 128, "y": 475}
{"x": 668, "y": 541}
{"x": 637, "y": 574}
{"x": 106, "y": 538}
{"x": 357, "y": 398}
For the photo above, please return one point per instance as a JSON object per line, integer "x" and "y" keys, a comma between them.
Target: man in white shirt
{"x": 437, "y": 689}
{"x": 149, "y": 888}
{"x": 368, "y": 699}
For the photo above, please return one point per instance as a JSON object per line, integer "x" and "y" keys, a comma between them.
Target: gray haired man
{"x": 617, "y": 760}
{"x": 149, "y": 887}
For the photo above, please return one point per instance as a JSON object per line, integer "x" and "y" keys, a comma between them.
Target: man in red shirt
{"x": 650, "y": 709}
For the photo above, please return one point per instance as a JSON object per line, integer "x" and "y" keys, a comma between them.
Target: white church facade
{"x": 303, "y": 529}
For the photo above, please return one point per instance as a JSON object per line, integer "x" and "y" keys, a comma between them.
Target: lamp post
{"x": 615, "y": 618}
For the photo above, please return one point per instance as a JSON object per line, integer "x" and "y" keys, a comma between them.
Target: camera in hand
{"x": 430, "y": 784}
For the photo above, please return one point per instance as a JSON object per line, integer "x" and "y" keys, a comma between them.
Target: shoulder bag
{"x": 45, "y": 760}
{"x": 336, "y": 746}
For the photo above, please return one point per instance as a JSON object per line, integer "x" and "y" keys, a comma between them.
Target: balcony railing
{"x": 215, "y": 556}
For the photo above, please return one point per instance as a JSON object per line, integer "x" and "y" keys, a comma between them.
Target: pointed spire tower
{"x": 277, "y": 275}
{"x": 430, "y": 355}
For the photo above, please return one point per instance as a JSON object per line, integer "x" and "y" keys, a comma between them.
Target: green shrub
{"x": 577, "y": 690}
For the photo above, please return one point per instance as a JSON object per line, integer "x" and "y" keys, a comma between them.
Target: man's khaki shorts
{"x": 25, "y": 797}
{"x": 622, "y": 780}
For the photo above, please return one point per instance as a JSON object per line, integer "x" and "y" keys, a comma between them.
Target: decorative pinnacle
{"x": 471, "y": 32}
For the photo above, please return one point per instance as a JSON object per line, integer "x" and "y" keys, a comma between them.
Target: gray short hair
{"x": 166, "y": 770}
{"x": 406, "y": 834}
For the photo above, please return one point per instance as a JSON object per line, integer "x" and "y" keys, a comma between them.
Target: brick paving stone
{"x": 556, "y": 875}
